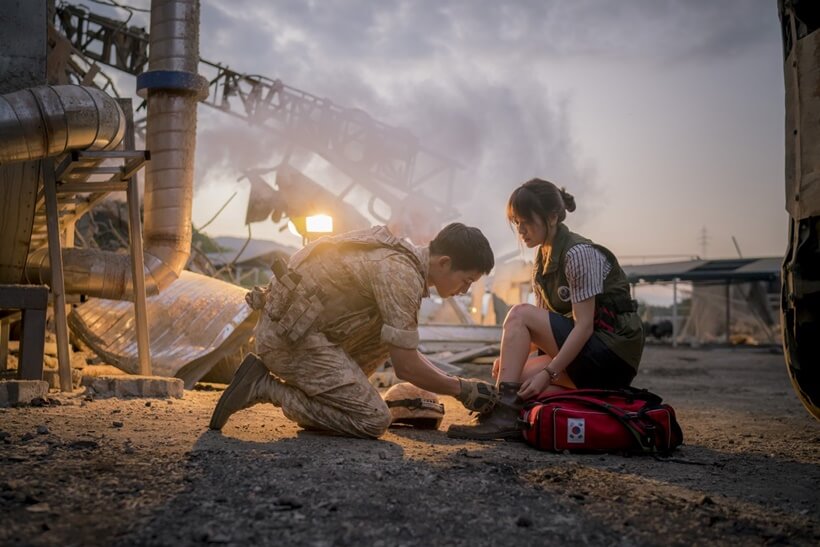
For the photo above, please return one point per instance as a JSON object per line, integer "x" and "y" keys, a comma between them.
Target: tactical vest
{"x": 616, "y": 320}
{"x": 316, "y": 293}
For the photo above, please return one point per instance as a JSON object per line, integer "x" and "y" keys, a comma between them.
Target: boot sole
{"x": 217, "y": 419}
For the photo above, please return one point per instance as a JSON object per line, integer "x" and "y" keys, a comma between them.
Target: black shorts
{"x": 596, "y": 366}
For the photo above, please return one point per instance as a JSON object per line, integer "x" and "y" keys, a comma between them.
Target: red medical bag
{"x": 601, "y": 420}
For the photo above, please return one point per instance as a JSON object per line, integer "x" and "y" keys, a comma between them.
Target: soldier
{"x": 340, "y": 307}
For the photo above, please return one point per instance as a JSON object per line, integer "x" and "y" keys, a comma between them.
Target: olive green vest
{"x": 616, "y": 320}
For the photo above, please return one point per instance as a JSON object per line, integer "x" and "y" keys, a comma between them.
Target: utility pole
{"x": 704, "y": 241}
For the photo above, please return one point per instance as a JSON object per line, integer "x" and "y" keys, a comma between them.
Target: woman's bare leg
{"x": 525, "y": 324}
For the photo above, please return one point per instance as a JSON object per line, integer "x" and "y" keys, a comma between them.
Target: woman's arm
{"x": 584, "y": 314}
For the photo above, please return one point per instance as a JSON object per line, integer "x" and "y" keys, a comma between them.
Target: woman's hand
{"x": 496, "y": 368}
{"x": 534, "y": 385}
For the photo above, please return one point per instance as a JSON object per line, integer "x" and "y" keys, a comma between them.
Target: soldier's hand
{"x": 477, "y": 395}
{"x": 496, "y": 367}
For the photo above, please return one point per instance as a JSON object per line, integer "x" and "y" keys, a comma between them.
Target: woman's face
{"x": 532, "y": 231}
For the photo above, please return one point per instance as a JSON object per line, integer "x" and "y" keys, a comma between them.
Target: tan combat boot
{"x": 251, "y": 384}
{"x": 499, "y": 423}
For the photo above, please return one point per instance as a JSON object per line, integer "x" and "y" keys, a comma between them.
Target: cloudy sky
{"x": 664, "y": 118}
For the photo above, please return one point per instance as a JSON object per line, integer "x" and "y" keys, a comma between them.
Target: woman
{"x": 584, "y": 324}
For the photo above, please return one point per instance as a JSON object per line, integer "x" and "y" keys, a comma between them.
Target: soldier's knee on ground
{"x": 375, "y": 425}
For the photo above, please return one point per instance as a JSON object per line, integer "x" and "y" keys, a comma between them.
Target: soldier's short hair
{"x": 466, "y": 246}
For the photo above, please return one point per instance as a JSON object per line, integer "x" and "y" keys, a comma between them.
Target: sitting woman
{"x": 584, "y": 325}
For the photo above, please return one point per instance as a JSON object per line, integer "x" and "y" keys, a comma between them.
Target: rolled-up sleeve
{"x": 407, "y": 339}
{"x": 398, "y": 288}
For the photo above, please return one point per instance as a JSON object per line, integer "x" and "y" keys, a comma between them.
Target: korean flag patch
{"x": 575, "y": 430}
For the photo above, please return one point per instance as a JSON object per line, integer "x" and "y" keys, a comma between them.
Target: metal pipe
{"x": 173, "y": 89}
{"x": 46, "y": 121}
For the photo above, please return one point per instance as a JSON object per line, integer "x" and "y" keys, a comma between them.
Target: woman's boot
{"x": 499, "y": 423}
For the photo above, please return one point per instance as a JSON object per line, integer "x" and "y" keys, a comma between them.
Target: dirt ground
{"x": 147, "y": 472}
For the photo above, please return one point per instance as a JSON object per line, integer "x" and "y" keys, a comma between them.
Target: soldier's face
{"x": 449, "y": 282}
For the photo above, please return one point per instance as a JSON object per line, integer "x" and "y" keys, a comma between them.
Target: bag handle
{"x": 631, "y": 393}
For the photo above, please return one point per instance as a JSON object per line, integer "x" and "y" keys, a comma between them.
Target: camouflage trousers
{"x": 321, "y": 386}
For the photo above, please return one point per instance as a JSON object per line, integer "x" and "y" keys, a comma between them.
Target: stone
{"x": 52, "y": 376}
{"x": 50, "y": 362}
{"x": 78, "y": 360}
{"x": 22, "y": 392}
{"x": 133, "y": 386}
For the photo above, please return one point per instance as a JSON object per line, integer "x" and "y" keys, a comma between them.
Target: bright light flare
{"x": 292, "y": 229}
{"x": 319, "y": 224}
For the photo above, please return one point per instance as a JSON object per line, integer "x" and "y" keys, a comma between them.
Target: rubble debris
{"x": 133, "y": 386}
{"x": 21, "y": 392}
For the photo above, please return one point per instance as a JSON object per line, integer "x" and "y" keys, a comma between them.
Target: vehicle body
{"x": 800, "y": 24}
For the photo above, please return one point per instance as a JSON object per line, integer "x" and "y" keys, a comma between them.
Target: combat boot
{"x": 252, "y": 384}
{"x": 499, "y": 423}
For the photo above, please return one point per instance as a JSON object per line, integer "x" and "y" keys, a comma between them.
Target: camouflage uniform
{"x": 370, "y": 285}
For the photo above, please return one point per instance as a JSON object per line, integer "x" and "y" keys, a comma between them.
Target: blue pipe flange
{"x": 172, "y": 80}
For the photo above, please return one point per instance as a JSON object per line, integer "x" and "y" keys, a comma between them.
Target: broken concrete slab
{"x": 134, "y": 386}
{"x": 14, "y": 392}
{"x": 52, "y": 376}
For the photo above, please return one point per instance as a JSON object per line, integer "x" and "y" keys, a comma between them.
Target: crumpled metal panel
{"x": 193, "y": 324}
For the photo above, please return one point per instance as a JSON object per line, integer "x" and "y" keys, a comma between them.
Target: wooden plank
{"x": 5, "y": 323}
{"x": 32, "y": 342}
{"x": 20, "y": 297}
{"x": 452, "y": 347}
{"x": 481, "y": 334}
{"x": 57, "y": 282}
{"x": 470, "y": 354}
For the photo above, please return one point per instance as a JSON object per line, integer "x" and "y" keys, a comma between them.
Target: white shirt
{"x": 586, "y": 268}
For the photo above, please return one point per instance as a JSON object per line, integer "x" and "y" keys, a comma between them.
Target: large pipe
{"x": 45, "y": 121}
{"x": 173, "y": 89}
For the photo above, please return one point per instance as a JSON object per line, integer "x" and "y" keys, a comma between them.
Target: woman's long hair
{"x": 539, "y": 198}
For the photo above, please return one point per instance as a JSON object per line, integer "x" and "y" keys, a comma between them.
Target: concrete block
{"x": 134, "y": 386}
{"x": 21, "y": 391}
{"x": 52, "y": 377}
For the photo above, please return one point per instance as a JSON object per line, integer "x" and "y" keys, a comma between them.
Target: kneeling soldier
{"x": 339, "y": 308}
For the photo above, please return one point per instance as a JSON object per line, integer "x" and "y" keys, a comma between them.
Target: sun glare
{"x": 319, "y": 224}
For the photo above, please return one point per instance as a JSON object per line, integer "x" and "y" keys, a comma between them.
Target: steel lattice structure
{"x": 388, "y": 161}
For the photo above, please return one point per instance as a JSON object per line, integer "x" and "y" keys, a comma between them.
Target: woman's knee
{"x": 517, "y": 316}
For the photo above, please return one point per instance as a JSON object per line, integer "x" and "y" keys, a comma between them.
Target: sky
{"x": 664, "y": 118}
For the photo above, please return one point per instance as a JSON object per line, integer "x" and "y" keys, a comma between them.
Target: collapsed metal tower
{"x": 387, "y": 161}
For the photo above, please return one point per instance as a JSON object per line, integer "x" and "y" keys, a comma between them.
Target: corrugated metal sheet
{"x": 734, "y": 269}
{"x": 193, "y": 324}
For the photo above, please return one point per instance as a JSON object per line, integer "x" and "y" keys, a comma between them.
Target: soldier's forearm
{"x": 413, "y": 367}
